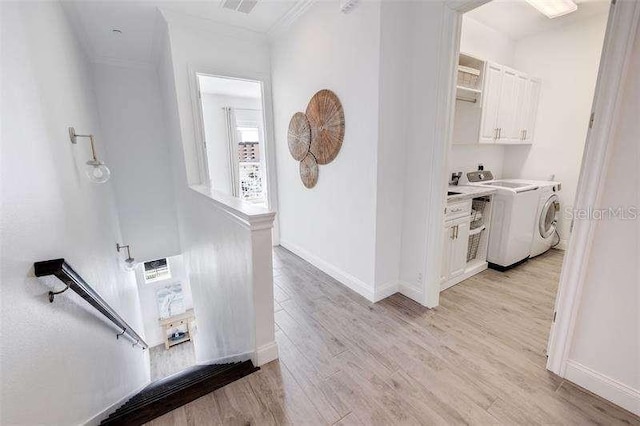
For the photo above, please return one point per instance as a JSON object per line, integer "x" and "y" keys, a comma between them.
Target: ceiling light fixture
{"x": 554, "y": 8}
{"x": 129, "y": 262}
{"x": 96, "y": 170}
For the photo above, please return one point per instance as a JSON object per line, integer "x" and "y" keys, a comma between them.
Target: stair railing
{"x": 65, "y": 273}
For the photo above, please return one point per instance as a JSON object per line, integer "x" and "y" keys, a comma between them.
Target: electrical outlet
{"x": 419, "y": 277}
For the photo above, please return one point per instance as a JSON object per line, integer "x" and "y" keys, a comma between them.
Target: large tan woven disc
{"x": 309, "y": 171}
{"x": 299, "y": 136}
{"x": 326, "y": 118}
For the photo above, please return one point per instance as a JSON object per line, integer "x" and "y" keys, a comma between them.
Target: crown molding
{"x": 289, "y": 18}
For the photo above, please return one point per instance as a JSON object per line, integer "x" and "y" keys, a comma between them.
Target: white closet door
{"x": 507, "y": 107}
{"x": 490, "y": 102}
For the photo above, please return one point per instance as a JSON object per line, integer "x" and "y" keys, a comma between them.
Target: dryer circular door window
{"x": 549, "y": 217}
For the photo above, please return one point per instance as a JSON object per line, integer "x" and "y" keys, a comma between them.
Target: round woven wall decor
{"x": 299, "y": 136}
{"x": 326, "y": 118}
{"x": 309, "y": 171}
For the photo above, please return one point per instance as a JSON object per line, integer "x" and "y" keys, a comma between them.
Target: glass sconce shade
{"x": 97, "y": 171}
{"x": 129, "y": 264}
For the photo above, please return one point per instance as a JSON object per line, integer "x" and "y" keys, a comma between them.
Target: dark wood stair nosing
{"x": 143, "y": 410}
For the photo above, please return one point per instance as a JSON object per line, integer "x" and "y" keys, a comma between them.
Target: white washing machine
{"x": 545, "y": 233}
{"x": 513, "y": 214}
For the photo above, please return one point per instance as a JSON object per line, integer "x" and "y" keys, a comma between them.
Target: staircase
{"x": 169, "y": 393}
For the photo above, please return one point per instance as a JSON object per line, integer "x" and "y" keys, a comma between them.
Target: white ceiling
{"x": 139, "y": 21}
{"x": 230, "y": 87}
{"x": 518, "y": 19}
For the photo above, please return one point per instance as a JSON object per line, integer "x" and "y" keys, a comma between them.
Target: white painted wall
{"x": 228, "y": 266}
{"x": 215, "y": 129}
{"x": 484, "y": 42}
{"x": 394, "y": 96}
{"x": 153, "y": 331}
{"x": 333, "y": 224}
{"x": 566, "y": 60}
{"x": 605, "y": 353}
{"x": 138, "y": 149}
{"x": 61, "y": 363}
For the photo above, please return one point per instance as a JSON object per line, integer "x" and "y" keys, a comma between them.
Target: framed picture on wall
{"x": 170, "y": 300}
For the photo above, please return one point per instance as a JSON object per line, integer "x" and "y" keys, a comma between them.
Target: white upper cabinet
{"x": 530, "y": 110}
{"x": 509, "y": 106}
{"x": 490, "y": 103}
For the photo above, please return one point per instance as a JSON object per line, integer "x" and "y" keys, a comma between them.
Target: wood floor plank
{"x": 478, "y": 358}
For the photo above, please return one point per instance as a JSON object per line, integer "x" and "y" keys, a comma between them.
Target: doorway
{"x": 616, "y": 52}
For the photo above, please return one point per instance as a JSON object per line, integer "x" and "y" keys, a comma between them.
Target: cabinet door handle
{"x": 495, "y": 133}
{"x": 499, "y": 132}
{"x": 525, "y": 133}
{"x": 455, "y": 233}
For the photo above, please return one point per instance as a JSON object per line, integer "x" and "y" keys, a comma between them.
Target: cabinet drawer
{"x": 457, "y": 210}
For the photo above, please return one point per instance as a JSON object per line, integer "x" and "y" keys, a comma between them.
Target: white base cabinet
{"x": 457, "y": 262}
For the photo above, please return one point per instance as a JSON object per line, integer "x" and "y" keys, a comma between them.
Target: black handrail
{"x": 75, "y": 282}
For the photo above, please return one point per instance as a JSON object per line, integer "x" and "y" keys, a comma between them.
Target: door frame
{"x": 621, "y": 29}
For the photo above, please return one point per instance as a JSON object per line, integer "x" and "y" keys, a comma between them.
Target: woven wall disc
{"x": 326, "y": 118}
{"x": 309, "y": 171}
{"x": 299, "y": 136}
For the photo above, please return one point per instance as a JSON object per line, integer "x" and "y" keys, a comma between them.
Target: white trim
{"x": 617, "y": 51}
{"x": 411, "y": 291}
{"x": 608, "y": 388}
{"x": 265, "y": 354}
{"x": 244, "y": 213}
{"x": 343, "y": 277}
{"x": 447, "y": 65}
{"x": 385, "y": 290}
{"x": 95, "y": 420}
{"x": 292, "y": 15}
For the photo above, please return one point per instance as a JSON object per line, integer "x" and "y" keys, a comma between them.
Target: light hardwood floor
{"x": 477, "y": 359}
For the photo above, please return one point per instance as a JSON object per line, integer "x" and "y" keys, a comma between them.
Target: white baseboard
{"x": 411, "y": 291}
{"x": 604, "y": 386}
{"x": 265, "y": 354}
{"x": 343, "y": 277}
{"x": 385, "y": 290}
{"x": 95, "y": 420}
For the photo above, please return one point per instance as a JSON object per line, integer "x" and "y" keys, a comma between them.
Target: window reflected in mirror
{"x": 233, "y": 124}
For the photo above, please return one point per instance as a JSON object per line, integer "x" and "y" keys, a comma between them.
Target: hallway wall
{"x": 132, "y": 122}
{"x": 60, "y": 362}
{"x": 333, "y": 224}
{"x": 219, "y": 250}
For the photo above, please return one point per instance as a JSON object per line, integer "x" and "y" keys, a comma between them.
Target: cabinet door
{"x": 447, "y": 238}
{"x": 460, "y": 245}
{"x": 506, "y": 118}
{"x": 490, "y": 102}
{"x": 515, "y": 134}
{"x": 531, "y": 109}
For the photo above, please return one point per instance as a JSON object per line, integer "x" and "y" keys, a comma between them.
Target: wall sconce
{"x": 96, "y": 170}
{"x": 129, "y": 262}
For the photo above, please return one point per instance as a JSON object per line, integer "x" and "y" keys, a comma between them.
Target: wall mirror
{"x": 233, "y": 136}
